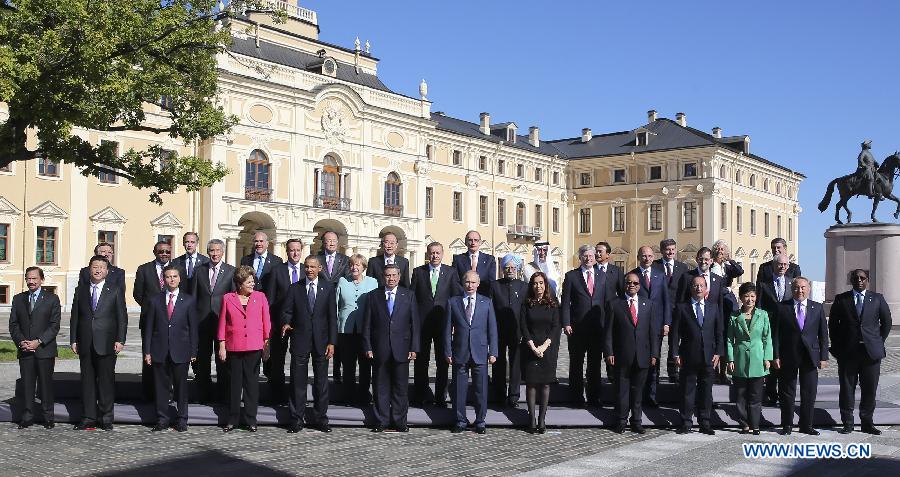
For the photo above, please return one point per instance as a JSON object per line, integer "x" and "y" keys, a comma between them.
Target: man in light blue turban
{"x": 508, "y": 294}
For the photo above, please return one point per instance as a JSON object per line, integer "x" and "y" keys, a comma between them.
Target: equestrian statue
{"x": 870, "y": 180}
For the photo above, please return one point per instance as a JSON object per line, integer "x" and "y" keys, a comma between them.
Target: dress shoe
{"x": 810, "y": 431}
{"x": 403, "y": 429}
{"x": 745, "y": 430}
{"x": 457, "y": 429}
{"x": 708, "y": 431}
{"x": 871, "y": 429}
{"x": 619, "y": 429}
{"x": 324, "y": 427}
{"x": 846, "y": 429}
{"x": 252, "y": 428}
{"x": 531, "y": 429}
{"x": 542, "y": 429}
{"x": 85, "y": 426}
{"x": 755, "y": 432}
{"x": 159, "y": 427}
{"x": 106, "y": 427}
{"x": 228, "y": 428}
{"x": 181, "y": 427}
{"x": 295, "y": 428}
{"x": 683, "y": 430}
{"x": 378, "y": 429}
{"x": 638, "y": 429}
{"x": 480, "y": 430}
{"x": 785, "y": 430}
{"x": 49, "y": 425}
{"x": 25, "y": 425}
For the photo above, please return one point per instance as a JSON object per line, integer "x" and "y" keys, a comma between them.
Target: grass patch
{"x": 8, "y": 352}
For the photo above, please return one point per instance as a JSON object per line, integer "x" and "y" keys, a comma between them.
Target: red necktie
{"x": 171, "y": 307}
{"x": 162, "y": 283}
{"x": 633, "y": 312}
{"x": 647, "y": 278}
{"x": 590, "y": 283}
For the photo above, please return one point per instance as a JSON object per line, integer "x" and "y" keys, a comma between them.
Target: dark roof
{"x": 466, "y": 128}
{"x": 283, "y": 55}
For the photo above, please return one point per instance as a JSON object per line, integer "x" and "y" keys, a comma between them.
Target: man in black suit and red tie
{"x": 169, "y": 346}
{"x": 654, "y": 287}
{"x": 432, "y": 285}
{"x": 33, "y": 325}
{"x": 696, "y": 345}
{"x": 97, "y": 335}
{"x": 859, "y": 324}
{"x": 211, "y": 282}
{"x": 261, "y": 261}
{"x": 309, "y": 317}
{"x": 375, "y": 268}
{"x": 391, "y": 339}
{"x": 584, "y": 298}
{"x": 631, "y": 346}
{"x": 800, "y": 343}
{"x": 482, "y": 263}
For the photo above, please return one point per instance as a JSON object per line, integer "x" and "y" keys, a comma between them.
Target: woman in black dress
{"x": 541, "y": 330}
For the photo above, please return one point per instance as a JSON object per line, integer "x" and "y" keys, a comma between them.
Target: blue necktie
{"x": 32, "y": 298}
{"x": 94, "y": 297}
{"x": 259, "y": 267}
{"x": 190, "y": 270}
{"x": 311, "y": 295}
{"x": 294, "y": 276}
{"x": 859, "y": 304}
{"x": 699, "y": 312}
{"x": 390, "y": 303}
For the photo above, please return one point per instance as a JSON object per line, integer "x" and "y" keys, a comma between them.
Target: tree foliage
{"x": 100, "y": 64}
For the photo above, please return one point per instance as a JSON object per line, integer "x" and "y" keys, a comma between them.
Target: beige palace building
{"x": 322, "y": 144}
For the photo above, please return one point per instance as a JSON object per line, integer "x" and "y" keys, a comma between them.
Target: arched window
{"x": 520, "y": 213}
{"x": 329, "y": 187}
{"x": 257, "y": 178}
{"x": 753, "y": 180}
{"x": 778, "y": 188}
{"x": 766, "y": 185}
{"x": 737, "y": 177}
{"x": 723, "y": 172}
{"x": 392, "y": 203}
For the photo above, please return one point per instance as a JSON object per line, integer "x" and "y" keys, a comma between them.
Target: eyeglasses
{"x": 163, "y": 252}
{"x": 632, "y": 283}
{"x": 860, "y": 278}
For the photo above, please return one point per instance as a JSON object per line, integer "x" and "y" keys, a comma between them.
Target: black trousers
{"x": 98, "y": 385}
{"x": 509, "y": 345}
{"x": 273, "y": 368}
{"x": 787, "y": 385}
{"x": 629, "y": 386}
{"x": 350, "y": 346}
{"x": 772, "y": 384}
{"x": 391, "y": 380}
{"x": 749, "y": 400}
{"x": 243, "y": 367}
{"x": 584, "y": 342}
{"x": 431, "y": 331}
{"x": 696, "y": 390}
{"x": 203, "y": 366}
{"x": 858, "y": 368}
{"x": 299, "y": 379}
{"x": 33, "y": 370}
{"x": 173, "y": 375}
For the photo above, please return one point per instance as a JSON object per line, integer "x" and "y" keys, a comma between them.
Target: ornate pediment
{"x": 754, "y": 253}
{"x": 556, "y": 252}
{"x": 502, "y": 248}
{"x": 619, "y": 251}
{"x": 49, "y": 210}
{"x": 109, "y": 215}
{"x": 689, "y": 248}
{"x": 167, "y": 220}
{"x": 7, "y": 208}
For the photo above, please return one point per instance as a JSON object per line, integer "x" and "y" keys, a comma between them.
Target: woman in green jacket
{"x": 749, "y": 349}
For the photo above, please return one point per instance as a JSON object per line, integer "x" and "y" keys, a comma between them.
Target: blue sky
{"x": 808, "y": 81}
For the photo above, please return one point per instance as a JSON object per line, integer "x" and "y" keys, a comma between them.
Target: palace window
{"x": 429, "y": 202}
{"x": 392, "y": 203}
{"x": 457, "y": 206}
{"x": 482, "y": 163}
{"x": 556, "y": 220}
{"x": 257, "y": 177}
{"x": 619, "y": 176}
{"x": 752, "y": 222}
{"x": 520, "y": 213}
{"x": 457, "y": 158}
{"x": 538, "y": 174}
{"x": 738, "y": 219}
{"x": 555, "y": 177}
{"x": 723, "y": 216}
{"x": 690, "y": 215}
{"x": 501, "y": 167}
{"x": 4, "y": 243}
{"x": 655, "y": 217}
{"x": 109, "y": 237}
{"x": 655, "y": 173}
{"x": 46, "y": 246}
{"x": 538, "y": 215}
{"x": 619, "y": 218}
{"x": 501, "y": 212}
{"x": 109, "y": 177}
{"x": 690, "y": 169}
{"x": 482, "y": 209}
{"x": 585, "y": 179}
{"x": 48, "y": 167}
{"x": 766, "y": 224}
{"x": 584, "y": 221}
{"x": 520, "y": 171}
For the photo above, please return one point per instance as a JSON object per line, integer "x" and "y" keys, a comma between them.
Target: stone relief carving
{"x": 472, "y": 180}
{"x": 334, "y": 124}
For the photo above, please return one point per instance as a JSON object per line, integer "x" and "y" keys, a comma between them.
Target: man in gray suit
{"x": 470, "y": 343}
{"x": 211, "y": 282}
{"x": 334, "y": 266}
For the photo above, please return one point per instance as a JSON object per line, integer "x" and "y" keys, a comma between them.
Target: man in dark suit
{"x": 334, "y": 266}
{"x": 767, "y": 269}
{"x": 484, "y": 264}
{"x": 674, "y": 270}
{"x": 116, "y": 275}
{"x": 768, "y": 295}
{"x": 280, "y": 280}
{"x": 432, "y": 285}
{"x": 800, "y": 343}
{"x": 97, "y": 334}
{"x": 508, "y": 295}
{"x": 715, "y": 293}
{"x": 584, "y": 297}
{"x": 211, "y": 282}
{"x": 261, "y": 261}
{"x": 470, "y": 341}
{"x": 148, "y": 282}
{"x": 654, "y": 287}
{"x": 376, "y": 264}
{"x": 190, "y": 260}
{"x": 696, "y": 345}
{"x": 33, "y": 325}
{"x": 310, "y": 317}
{"x": 391, "y": 339}
{"x": 615, "y": 276}
{"x": 631, "y": 346}
{"x": 859, "y": 324}
{"x": 169, "y": 346}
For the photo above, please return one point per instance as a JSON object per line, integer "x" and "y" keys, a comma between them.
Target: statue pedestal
{"x": 874, "y": 247}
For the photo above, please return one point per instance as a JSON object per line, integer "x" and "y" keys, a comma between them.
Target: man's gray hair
{"x": 585, "y": 248}
{"x": 218, "y": 242}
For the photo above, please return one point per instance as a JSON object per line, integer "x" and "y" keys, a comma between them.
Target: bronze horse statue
{"x": 853, "y": 185}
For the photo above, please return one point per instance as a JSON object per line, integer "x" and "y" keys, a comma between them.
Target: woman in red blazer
{"x": 244, "y": 329}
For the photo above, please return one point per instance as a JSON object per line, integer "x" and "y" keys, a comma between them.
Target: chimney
{"x": 534, "y": 137}
{"x": 586, "y": 135}
{"x": 485, "y": 123}
{"x": 746, "y": 144}
{"x": 717, "y": 132}
{"x": 651, "y": 115}
{"x": 681, "y": 119}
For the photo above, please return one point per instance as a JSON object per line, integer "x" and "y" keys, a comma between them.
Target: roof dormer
{"x": 642, "y": 136}
{"x": 506, "y": 131}
{"x": 324, "y": 65}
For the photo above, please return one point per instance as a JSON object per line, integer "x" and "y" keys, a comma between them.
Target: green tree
{"x": 100, "y": 64}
